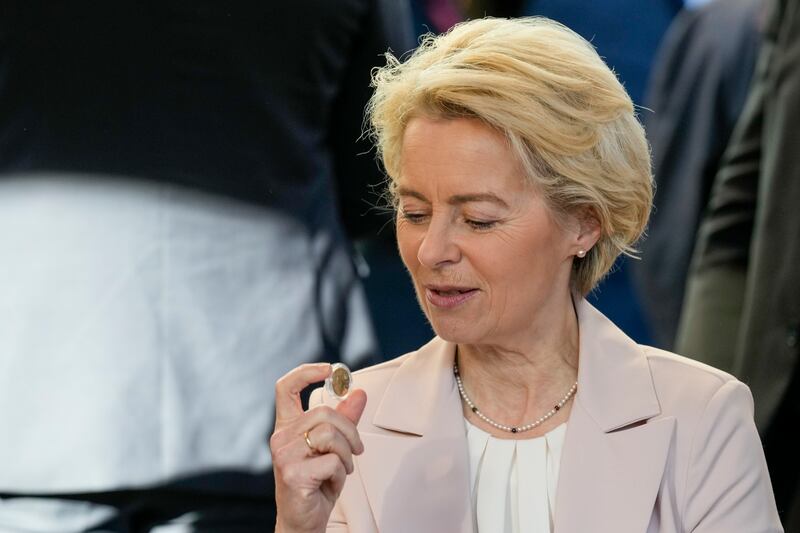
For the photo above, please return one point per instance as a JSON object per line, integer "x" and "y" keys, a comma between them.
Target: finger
{"x": 353, "y": 406}
{"x": 332, "y": 473}
{"x": 325, "y": 439}
{"x": 288, "y": 388}
{"x": 328, "y": 432}
{"x": 324, "y": 414}
{"x": 307, "y": 476}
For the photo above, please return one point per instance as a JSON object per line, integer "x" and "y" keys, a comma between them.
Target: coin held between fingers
{"x": 339, "y": 383}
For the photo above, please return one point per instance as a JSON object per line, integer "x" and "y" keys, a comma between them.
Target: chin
{"x": 456, "y": 329}
{"x": 457, "y": 333}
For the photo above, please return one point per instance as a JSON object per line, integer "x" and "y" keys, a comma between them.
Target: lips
{"x": 448, "y": 297}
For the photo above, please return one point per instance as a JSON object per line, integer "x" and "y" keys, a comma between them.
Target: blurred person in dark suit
{"x": 695, "y": 95}
{"x": 742, "y": 304}
{"x": 171, "y": 244}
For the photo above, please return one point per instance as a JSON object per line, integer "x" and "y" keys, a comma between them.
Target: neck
{"x": 516, "y": 382}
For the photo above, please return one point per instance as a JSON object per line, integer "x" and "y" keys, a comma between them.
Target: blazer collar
{"x": 611, "y": 464}
{"x": 614, "y": 452}
{"x": 615, "y": 386}
{"x": 415, "y": 397}
{"x": 614, "y": 381}
{"x": 415, "y": 468}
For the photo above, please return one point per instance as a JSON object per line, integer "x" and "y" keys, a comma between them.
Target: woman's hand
{"x": 310, "y": 477}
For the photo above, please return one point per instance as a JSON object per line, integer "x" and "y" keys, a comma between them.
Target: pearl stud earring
{"x": 581, "y": 253}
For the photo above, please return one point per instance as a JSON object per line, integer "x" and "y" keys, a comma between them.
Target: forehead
{"x": 459, "y": 155}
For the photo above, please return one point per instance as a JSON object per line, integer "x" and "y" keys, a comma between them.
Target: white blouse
{"x": 513, "y": 482}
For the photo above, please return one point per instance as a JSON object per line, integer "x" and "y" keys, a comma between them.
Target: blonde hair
{"x": 563, "y": 111}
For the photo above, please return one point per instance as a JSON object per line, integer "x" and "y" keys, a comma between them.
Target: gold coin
{"x": 339, "y": 382}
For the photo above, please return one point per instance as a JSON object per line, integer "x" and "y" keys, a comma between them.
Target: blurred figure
{"x": 742, "y": 306}
{"x": 171, "y": 244}
{"x": 696, "y": 93}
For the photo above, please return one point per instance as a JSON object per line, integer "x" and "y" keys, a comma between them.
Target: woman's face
{"x": 484, "y": 251}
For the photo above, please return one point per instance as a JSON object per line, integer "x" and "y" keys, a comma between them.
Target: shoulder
{"x": 668, "y": 364}
{"x": 681, "y": 381}
{"x": 700, "y": 397}
{"x": 675, "y": 373}
{"x": 717, "y": 448}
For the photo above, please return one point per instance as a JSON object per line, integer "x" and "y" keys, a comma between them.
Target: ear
{"x": 588, "y": 231}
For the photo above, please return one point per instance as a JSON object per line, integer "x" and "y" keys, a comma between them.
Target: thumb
{"x": 353, "y": 406}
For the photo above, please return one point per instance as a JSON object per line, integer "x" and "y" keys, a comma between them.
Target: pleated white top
{"x": 513, "y": 482}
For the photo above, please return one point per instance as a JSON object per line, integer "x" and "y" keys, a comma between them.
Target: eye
{"x": 481, "y": 224}
{"x": 413, "y": 218}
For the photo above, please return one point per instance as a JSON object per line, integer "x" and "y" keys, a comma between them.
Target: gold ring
{"x": 308, "y": 442}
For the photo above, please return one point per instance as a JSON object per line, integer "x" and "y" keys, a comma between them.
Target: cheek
{"x": 516, "y": 268}
{"x": 407, "y": 245}
{"x": 504, "y": 279}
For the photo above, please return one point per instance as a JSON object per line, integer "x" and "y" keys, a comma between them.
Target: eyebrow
{"x": 458, "y": 198}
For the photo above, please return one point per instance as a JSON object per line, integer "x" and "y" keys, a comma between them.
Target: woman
{"x": 519, "y": 173}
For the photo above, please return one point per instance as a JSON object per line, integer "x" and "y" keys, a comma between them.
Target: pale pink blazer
{"x": 655, "y": 443}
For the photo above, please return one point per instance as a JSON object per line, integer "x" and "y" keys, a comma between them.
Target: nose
{"x": 438, "y": 248}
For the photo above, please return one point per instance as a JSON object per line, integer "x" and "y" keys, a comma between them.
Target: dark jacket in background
{"x": 742, "y": 307}
{"x": 696, "y": 92}
{"x": 258, "y": 101}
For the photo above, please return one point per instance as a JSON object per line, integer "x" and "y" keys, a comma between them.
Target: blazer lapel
{"x": 609, "y": 481}
{"x": 415, "y": 469}
{"x": 614, "y": 455}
